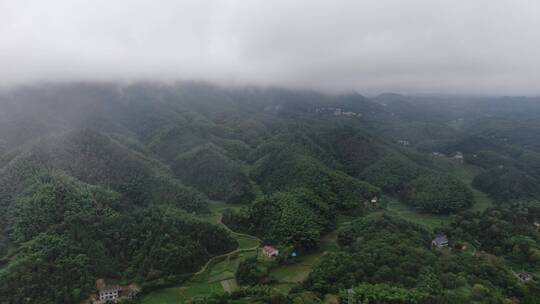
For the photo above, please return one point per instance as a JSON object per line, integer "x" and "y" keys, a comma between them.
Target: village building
{"x": 438, "y": 154}
{"x": 348, "y": 113}
{"x": 403, "y": 142}
{"x": 523, "y": 277}
{"x": 110, "y": 293}
{"x": 372, "y": 202}
{"x": 458, "y": 156}
{"x": 107, "y": 292}
{"x": 440, "y": 241}
{"x": 113, "y": 293}
{"x": 336, "y": 112}
{"x": 270, "y": 251}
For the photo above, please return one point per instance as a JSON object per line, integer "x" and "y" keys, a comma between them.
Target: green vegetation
{"x": 506, "y": 230}
{"x": 404, "y": 211}
{"x": 508, "y": 184}
{"x": 174, "y": 187}
{"x": 261, "y": 295}
{"x": 249, "y": 272}
{"x": 62, "y": 224}
{"x": 217, "y": 275}
{"x": 382, "y": 293}
{"x": 294, "y": 218}
{"x": 223, "y": 178}
{"x": 392, "y": 174}
{"x": 97, "y": 159}
{"x": 388, "y": 250}
{"x": 294, "y": 160}
{"x": 438, "y": 194}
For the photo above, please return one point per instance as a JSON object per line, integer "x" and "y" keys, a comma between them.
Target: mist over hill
{"x": 122, "y": 182}
{"x": 291, "y": 152}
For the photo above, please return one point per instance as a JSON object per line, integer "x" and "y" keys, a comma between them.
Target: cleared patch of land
{"x": 430, "y": 221}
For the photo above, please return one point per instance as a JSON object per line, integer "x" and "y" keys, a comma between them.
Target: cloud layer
{"x": 371, "y": 46}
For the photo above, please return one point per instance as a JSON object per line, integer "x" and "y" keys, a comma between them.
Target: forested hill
{"x": 117, "y": 181}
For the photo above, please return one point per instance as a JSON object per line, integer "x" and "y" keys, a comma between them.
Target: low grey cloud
{"x": 370, "y": 46}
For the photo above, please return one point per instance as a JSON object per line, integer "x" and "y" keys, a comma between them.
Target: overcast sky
{"x": 369, "y": 46}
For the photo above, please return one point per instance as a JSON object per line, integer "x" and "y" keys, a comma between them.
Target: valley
{"x": 176, "y": 188}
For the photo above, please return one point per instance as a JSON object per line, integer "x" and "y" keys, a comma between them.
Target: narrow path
{"x": 220, "y": 221}
{"x": 238, "y": 250}
{"x": 208, "y": 266}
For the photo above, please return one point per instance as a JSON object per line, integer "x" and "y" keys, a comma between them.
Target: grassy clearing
{"x": 246, "y": 242}
{"x": 429, "y": 221}
{"x": 283, "y": 287}
{"x": 177, "y": 295}
{"x": 467, "y": 173}
{"x": 229, "y": 285}
{"x": 482, "y": 203}
{"x": 163, "y": 296}
{"x": 199, "y": 289}
{"x": 291, "y": 273}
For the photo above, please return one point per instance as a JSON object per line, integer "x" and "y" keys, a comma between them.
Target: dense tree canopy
{"x": 286, "y": 170}
{"x": 100, "y": 180}
{"x": 295, "y": 218}
{"x": 383, "y": 249}
{"x": 392, "y": 174}
{"x": 438, "y": 194}
{"x": 507, "y": 230}
{"x": 382, "y": 293}
{"x": 507, "y": 184}
{"x": 70, "y": 233}
{"x": 211, "y": 171}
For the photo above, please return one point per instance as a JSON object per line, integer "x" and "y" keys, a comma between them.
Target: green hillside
{"x": 209, "y": 169}
{"x": 175, "y": 187}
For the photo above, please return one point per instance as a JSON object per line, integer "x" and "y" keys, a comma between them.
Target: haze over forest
{"x": 263, "y": 152}
{"x": 420, "y": 46}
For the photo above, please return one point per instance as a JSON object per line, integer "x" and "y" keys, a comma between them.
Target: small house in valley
{"x": 403, "y": 142}
{"x": 458, "y": 156}
{"x": 440, "y": 241}
{"x": 270, "y": 251}
{"x": 113, "y": 293}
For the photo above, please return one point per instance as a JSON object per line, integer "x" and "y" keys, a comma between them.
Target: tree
{"x": 438, "y": 194}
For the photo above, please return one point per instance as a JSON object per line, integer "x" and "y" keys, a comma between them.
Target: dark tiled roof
{"x": 441, "y": 239}
{"x": 111, "y": 288}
